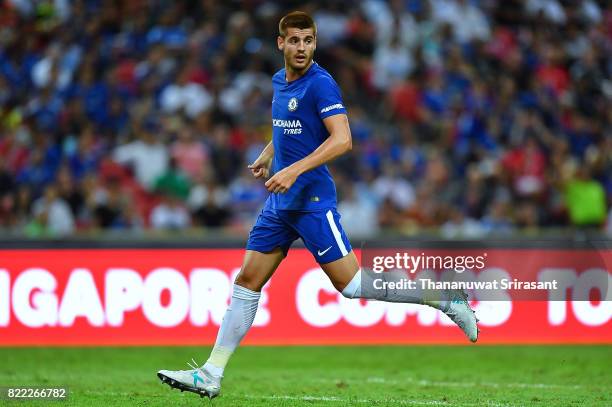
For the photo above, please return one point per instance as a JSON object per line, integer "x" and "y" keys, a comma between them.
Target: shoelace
{"x": 196, "y": 367}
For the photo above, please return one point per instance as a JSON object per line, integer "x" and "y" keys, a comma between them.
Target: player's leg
{"x": 349, "y": 279}
{"x": 346, "y": 276}
{"x": 324, "y": 237}
{"x": 257, "y": 268}
{"x": 268, "y": 244}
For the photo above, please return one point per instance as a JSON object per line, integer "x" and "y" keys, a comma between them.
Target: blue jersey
{"x": 298, "y": 110}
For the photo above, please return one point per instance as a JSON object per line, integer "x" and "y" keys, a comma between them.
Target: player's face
{"x": 298, "y": 47}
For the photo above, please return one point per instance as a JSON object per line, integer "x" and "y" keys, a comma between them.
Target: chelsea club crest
{"x": 293, "y": 104}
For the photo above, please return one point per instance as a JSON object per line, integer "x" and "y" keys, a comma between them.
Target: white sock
{"x": 353, "y": 288}
{"x": 236, "y": 322}
{"x": 365, "y": 280}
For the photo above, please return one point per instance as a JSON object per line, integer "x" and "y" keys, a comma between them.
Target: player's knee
{"x": 248, "y": 280}
{"x": 353, "y": 288}
{"x": 345, "y": 293}
{"x": 349, "y": 293}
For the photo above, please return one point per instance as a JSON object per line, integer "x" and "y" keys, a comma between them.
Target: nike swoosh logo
{"x": 321, "y": 253}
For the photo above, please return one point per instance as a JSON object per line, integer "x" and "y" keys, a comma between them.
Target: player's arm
{"x": 338, "y": 143}
{"x": 261, "y": 166}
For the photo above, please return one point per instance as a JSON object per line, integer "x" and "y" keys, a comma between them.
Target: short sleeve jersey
{"x": 298, "y": 110}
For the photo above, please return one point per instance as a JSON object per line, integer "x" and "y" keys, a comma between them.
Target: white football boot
{"x": 459, "y": 311}
{"x": 196, "y": 380}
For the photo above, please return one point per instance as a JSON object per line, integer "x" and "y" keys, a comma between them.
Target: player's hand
{"x": 282, "y": 180}
{"x": 260, "y": 168}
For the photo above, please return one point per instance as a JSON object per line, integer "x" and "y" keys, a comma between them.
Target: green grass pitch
{"x": 324, "y": 376}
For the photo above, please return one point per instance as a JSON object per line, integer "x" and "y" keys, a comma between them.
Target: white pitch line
{"x": 327, "y": 399}
{"x": 332, "y": 399}
{"x": 408, "y": 402}
{"x": 470, "y": 384}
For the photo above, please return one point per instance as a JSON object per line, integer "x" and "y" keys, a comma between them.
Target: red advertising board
{"x": 179, "y": 296}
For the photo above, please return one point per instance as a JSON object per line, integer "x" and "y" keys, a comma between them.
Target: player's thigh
{"x": 268, "y": 243}
{"x": 269, "y": 232}
{"x": 341, "y": 271}
{"x": 258, "y": 267}
{"x": 324, "y": 237}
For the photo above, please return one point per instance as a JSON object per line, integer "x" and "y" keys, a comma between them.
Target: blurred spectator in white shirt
{"x": 391, "y": 19}
{"x": 468, "y": 21}
{"x": 359, "y": 215}
{"x": 331, "y": 23}
{"x": 551, "y": 9}
{"x": 170, "y": 214}
{"x": 53, "y": 213}
{"x": 391, "y": 185}
{"x": 183, "y": 95}
{"x": 392, "y": 64}
{"x": 147, "y": 156}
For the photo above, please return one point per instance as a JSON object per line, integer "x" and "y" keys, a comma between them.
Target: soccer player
{"x": 310, "y": 128}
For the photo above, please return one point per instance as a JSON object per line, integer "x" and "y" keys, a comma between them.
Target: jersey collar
{"x": 308, "y": 72}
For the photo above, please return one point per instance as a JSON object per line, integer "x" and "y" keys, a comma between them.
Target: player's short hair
{"x": 296, "y": 19}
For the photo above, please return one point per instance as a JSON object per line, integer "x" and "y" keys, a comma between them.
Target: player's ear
{"x": 280, "y": 42}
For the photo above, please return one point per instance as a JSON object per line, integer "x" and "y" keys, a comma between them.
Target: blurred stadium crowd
{"x": 468, "y": 117}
